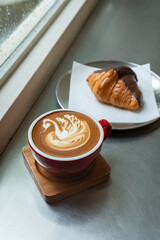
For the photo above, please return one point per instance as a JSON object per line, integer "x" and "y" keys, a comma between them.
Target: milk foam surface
{"x": 65, "y": 134}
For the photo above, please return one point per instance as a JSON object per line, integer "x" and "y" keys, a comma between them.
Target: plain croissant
{"x": 117, "y": 87}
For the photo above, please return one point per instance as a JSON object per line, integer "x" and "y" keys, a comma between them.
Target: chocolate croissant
{"x": 117, "y": 87}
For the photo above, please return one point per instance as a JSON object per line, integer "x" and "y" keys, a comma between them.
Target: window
{"x": 20, "y": 26}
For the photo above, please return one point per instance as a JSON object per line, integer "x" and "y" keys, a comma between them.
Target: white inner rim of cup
{"x": 37, "y": 150}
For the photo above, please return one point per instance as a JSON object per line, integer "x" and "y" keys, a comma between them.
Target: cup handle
{"x": 107, "y": 128}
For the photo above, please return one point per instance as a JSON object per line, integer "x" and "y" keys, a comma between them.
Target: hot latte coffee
{"x": 65, "y": 134}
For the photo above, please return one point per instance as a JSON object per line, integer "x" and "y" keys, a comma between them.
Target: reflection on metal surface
{"x": 62, "y": 90}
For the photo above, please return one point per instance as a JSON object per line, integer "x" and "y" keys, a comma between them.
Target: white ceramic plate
{"x": 62, "y": 90}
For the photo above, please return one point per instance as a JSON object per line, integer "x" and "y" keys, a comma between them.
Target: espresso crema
{"x": 65, "y": 134}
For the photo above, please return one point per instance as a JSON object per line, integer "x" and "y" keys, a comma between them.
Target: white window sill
{"x": 19, "y": 93}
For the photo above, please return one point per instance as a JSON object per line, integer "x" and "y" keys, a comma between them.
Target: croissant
{"x": 117, "y": 87}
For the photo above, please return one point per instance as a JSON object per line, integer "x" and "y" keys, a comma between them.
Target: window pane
{"x": 18, "y": 18}
{"x": 12, "y": 15}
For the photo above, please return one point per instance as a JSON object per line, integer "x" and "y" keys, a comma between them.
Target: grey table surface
{"x": 128, "y": 205}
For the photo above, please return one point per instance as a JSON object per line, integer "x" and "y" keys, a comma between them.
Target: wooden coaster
{"x": 52, "y": 190}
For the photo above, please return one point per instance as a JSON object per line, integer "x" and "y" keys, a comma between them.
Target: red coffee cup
{"x": 68, "y": 167}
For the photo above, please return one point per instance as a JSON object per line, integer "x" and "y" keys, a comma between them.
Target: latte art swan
{"x": 66, "y": 133}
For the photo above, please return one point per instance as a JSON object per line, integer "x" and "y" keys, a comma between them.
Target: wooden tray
{"x": 52, "y": 189}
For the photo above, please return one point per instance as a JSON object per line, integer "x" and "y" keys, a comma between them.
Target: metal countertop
{"x": 128, "y": 205}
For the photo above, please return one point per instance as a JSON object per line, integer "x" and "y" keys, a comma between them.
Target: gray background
{"x": 128, "y": 205}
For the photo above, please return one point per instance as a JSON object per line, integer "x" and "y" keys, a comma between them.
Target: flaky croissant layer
{"x": 117, "y": 87}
